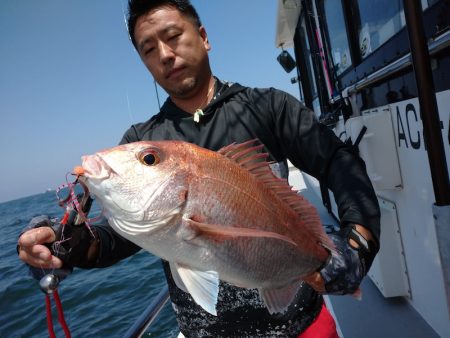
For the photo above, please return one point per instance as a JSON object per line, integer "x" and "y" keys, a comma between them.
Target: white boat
{"x": 355, "y": 68}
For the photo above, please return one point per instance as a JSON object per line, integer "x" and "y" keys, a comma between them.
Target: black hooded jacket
{"x": 289, "y": 131}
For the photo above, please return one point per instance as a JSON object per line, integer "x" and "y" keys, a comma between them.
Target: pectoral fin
{"x": 226, "y": 232}
{"x": 203, "y": 286}
{"x": 176, "y": 277}
{"x": 278, "y": 300}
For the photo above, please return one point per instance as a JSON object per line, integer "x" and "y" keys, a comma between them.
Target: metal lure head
{"x": 49, "y": 283}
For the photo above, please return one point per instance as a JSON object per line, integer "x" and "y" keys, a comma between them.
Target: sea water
{"x": 97, "y": 302}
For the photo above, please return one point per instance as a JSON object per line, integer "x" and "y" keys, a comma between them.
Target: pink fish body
{"x": 212, "y": 215}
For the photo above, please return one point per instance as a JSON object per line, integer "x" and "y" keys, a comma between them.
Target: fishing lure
{"x": 77, "y": 208}
{"x": 49, "y": 285}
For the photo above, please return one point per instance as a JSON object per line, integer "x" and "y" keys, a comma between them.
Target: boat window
{"x": 378, "y": 21}
{"x": 306, "y": 50}
{"x": 337, "y": 35}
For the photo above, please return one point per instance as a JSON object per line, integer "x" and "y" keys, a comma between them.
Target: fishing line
{"x": 157, "y": 94}
{"x": 129, "y": 110}
{"x": 125, "y": 18}
{"x": 128, "y": 33}
{"x": 129, "y": 37}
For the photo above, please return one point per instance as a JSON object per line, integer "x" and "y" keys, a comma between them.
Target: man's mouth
{"x": 174, "y": 72}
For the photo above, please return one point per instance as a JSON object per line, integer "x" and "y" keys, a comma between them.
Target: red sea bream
{"x": 212, "y": 215}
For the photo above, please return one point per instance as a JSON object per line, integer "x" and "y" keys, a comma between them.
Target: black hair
{"x": 138, "y": 8}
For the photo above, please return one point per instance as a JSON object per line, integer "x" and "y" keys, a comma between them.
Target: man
{"x": 204, "y": 110}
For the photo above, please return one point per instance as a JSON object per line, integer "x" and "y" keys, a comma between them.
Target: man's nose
{"x": 166, "y": 53}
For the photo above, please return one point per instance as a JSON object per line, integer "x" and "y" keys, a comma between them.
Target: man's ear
{"x": 204, "y": 37}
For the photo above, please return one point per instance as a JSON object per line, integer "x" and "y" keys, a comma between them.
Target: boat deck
{"x": 373, "y": 316}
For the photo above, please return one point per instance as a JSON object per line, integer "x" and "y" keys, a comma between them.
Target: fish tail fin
{"x": 278, "y": 300}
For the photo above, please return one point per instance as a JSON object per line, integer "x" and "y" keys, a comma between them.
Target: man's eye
{"x": 148, "y": 50}
{"x": 173, "y": 37}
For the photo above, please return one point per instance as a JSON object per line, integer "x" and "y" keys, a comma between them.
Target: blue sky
{"x": 71, "y": 82}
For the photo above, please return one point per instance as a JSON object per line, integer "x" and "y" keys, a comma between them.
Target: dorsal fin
{"x": 249, "y": 156}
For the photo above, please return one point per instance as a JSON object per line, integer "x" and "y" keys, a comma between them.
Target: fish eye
{"x": 149, "y": 157}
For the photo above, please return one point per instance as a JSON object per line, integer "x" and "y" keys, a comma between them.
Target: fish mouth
{"x": 95, "y": 167}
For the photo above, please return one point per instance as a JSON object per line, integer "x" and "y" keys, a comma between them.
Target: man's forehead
{"x": 162, "y": 19}
{"x": 160, "y": 14}
{"x": 157, "y": 21}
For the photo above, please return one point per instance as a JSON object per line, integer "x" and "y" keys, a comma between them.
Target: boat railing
{"x": 149, "y": 315}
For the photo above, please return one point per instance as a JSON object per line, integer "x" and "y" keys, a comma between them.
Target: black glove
{"x": 38, "y": 273}
{"x": 347, "y": 266}
{"x": 72, "y": 242}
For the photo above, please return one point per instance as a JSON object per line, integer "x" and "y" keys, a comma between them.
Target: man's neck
{"x": 198, "y": 101}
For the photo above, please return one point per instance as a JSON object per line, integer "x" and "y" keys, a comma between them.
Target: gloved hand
{"x": 40, "y": 231}
{"x": 348, "y": 265}
{"x": 43, "y": 244}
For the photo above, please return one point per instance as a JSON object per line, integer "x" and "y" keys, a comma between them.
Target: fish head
{"x": 140, "y": 184}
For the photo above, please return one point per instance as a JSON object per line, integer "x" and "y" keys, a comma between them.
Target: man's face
{"x": 174, "y": 49}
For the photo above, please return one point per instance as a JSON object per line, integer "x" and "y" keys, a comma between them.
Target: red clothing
{"x": 323, "y": 326}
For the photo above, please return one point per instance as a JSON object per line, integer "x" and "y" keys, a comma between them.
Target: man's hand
{"x": 347, "y": 266}
{"x": 80, "y": 247}
{"x": 31, "y": 245}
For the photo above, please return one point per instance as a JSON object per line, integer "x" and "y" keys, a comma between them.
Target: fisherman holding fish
{"x": 247, "y": 258}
